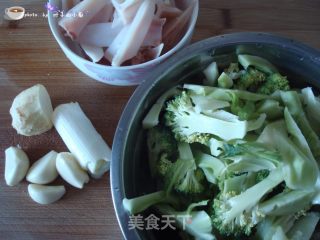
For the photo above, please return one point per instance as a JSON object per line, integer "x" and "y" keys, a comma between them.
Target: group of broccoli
{"x": 239, "y": 155}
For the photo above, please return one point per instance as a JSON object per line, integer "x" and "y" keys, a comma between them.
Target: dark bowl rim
{"x": 122, "y": 131}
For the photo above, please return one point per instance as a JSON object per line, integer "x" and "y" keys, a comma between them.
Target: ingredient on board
{"x": 124, "y": 33}
{"x": 16, "y": 166}
{"x": 45, "y": 194}
{"x": 31, "y": 111}
{"x": 238, "y": 154}
{"x": 44, "y": 170}
{"x": 82, "y": 139}
{"x": 70, "y": 170}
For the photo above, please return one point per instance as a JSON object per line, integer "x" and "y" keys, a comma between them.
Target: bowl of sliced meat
{"x": 119, "y": 41}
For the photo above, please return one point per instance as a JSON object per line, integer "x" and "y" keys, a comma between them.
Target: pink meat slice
{"x": 104, "y": 15}
{"x": 73, "y": 25}
{"x": 116, "y": 43}
{"x": 167, "y": 11}
{"x": 99, "y": 34}
{"x": 147, "y": 54}
{"x": 154, "y": 35}
{"x": 176, "y": 28}
{"x": 136, "y": 33}
{"x": 126, "y": 9}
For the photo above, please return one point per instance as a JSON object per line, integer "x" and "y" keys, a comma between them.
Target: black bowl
{"x": 130, "y": 175}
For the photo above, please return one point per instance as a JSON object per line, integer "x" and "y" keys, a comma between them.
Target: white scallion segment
{"x": 44, "y": 170}
{"x": 70, "y": 170}
{"x": 258, "y": 62}
{"x": 82, "y": 139}
{"x": 31, "y": 111}
{"x": 16, "y": 166}
{"x": 45, "y": 194}
{"x": 212, "y": 74}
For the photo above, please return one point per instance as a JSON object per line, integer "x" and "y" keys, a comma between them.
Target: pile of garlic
{"x": 32, "y": 114}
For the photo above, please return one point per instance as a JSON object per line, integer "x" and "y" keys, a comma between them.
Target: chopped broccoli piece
{"x": 304, "y": 227}
{"x": 139, "y": 204}
{"x": 244, "y": 109}
{"x": 273, "y": 83}
{"x": 160, "y": 140}
{"x": 225, "y": 81}
{"x": 258, "y": 62}
{"x": 299, "y": 171}
{"x": 183, "y": 175}
{"x": 163, "y": 165}
{"x": 212, "y": 74}
{"x": 152, "y": 118}
{"x": 236, "y": 214}
{"x": 196, "y": 223}
{"x": 251, "y": 80}
{"x": 272, "y": 227}
{"x": 312, "y": 108}
{"x": 186, "y": 123}
{"x": 272, "y": 108}
{"x": 292, "y": 100}
{"x": 212, "y": 167}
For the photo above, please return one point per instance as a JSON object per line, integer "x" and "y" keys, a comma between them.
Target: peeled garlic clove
{"x": 44, "y": 170}
{"x": 31, "y": 111}
{"x": 70, "y": 170}
{"x": 17, "y": 165}
{"x": 45, "y": 194}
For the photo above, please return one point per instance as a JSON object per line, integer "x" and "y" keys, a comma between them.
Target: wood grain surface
{"x": 30, "y": 55}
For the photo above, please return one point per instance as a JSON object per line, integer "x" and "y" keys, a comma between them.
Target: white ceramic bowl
{"x": 122, "y": 76}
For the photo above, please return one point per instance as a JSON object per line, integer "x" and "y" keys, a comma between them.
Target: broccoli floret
{"x": 251, "y": 80}
{"x": 187, "y": 123}
{"x": 273, "y": 83}
{"x": 183, "y": 175}
{"x": 164, "y": 165}
{"x": 232, "y": 68}
{"x": 236, "y": 214}
{"x": 160, "y": 141}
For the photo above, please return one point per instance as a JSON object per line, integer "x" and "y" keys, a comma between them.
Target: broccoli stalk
{"x": 139, "y": 204}
{"x": 196, "y": 223}
{"x": 212, "y": 74}
{"x": 304, "y": 227}
{"x": 312, "y": 108}
{"x": 292, "y": 100}
{"x": 212, "y": 167}
{"x": 272, "y": 227}
{"x": 258, "y": 62}
{"x": 300, "y": 172}
{"x": 183, "y": 175}
{"x": 235, "y": 214}
{"x": 250, "y": 157}
{"x": 287, "y": 202}
{"x": 225, "y": 81}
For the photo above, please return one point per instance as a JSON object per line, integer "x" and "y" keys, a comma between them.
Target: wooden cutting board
{"x": 30, "y": 55}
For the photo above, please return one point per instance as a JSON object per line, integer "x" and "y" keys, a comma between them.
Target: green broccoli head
{"x": 233, "y": 68}
{"x": 192, "y": 183}
{"x": 251, "y": 79}
{"x": 183, "y": 175}
{"x": 273, "y": 83}
{"x": 161, "y": 144}
{"x": 163, "y": 165}
{"x": 241, "y": 225}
